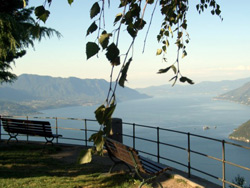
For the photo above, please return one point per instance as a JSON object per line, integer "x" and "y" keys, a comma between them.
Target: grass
{"x": 181, "y": 181}
{"x": 28, "y": 166}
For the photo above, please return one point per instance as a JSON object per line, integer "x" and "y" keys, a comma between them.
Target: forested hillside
{"x": 43, "y": 92}
{"x": 239, "y": 95}
{"x": 242, "y": 133}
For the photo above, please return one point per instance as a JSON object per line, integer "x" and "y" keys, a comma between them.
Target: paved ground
{"x": 71, "y": 153}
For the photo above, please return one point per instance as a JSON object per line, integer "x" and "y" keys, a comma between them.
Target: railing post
{"x": 86, "y": 132}
{"x": 56, "y": 131}
{"x": 158, "y": 144}
{"x": 0, "y": 130}
{"x": 27, "y": 118}
{"x": 223, "y": 164}
{"x": 133, "y": 135}
{"x": 189, "y": 158}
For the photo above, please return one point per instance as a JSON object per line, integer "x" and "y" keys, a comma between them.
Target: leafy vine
{"x": 131, "y": 18}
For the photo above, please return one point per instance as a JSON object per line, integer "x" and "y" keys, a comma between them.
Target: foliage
{"x": 132, "y": 19}
{"x": 242, "y": 132}
{"x": 18, "y": 31}
{"x": 240, "y": 181}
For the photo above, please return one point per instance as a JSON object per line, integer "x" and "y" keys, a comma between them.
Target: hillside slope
{"x": 239, "y": 95}
{"x": 242, "y": 133}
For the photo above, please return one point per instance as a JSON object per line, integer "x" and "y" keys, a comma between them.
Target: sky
{"x": 218, "y": 50}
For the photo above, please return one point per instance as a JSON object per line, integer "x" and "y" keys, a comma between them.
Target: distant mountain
{"x": 203, "y": 88}
{"x": 242, "y": 133}
{"x": 43, "y": 92}
{"x": 239, "y": 95}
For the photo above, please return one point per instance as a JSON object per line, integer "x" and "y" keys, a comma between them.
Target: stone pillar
{"x": 117, "y": 129}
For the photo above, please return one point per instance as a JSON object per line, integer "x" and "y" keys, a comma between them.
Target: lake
{"x": 188, "y": 114}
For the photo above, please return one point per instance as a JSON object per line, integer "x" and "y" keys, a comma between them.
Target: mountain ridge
{"x": 44, "y": 92}
{"x": 213, "y": 88}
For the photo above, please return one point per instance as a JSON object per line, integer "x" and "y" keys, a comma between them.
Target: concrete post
{"x": 117, "y": 129}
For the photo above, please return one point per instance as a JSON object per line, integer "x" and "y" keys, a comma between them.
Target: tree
{"x": 132, "y": 19}
{"x": 18, "y": 31}
{"x": 240, "y": 181}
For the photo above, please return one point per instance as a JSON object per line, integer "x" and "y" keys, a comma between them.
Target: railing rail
{"x": 85, "y": 129}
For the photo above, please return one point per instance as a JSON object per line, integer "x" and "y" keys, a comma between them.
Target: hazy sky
{"x": 217, "y": 50}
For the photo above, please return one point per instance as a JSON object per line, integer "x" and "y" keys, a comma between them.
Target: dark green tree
{"x": 18, "y": 31}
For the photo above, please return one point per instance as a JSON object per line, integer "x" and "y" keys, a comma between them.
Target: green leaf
{"x": 190, "y": 81}
{"x": 109, "y": 112}
{"x": 174, "y": 69}
{"x": 42, "y": 13}
{"x": 104, "y": 39}
{"x": 218, "y": 11}
{"x": 185, "y": 79}
{"x": 164, "y": 70}
{"x": 91, "y": 49}
{"x": 86, "y": 156}
{"x": 95, "y": 9}
{"x": 167, "y": 43}
{"x": 91, "y": 28}
{"x": 39, "y": 10}
{"x": 164, "y": 48}
{"x": 98, "y": 140}
{"x": 70, "y": 1}
{"x": 139, "y": 24}
{"x": 170, "y": 30}
{"x": 180, "y": 34}
{"x": 150, "y": 1}
{"x": 112, "y": 53}
{"x": 159, "y": 51}
{"x": 132, "y": 31}
{"x": 184, "y": 54}
{"x": 124, "y": 71}
{"x": 24, "y": 3}
{"x": 117, "y": 18}
{"x": 99, "y": 114}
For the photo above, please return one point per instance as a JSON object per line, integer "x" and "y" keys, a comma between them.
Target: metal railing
{"x": 158, "y": 140}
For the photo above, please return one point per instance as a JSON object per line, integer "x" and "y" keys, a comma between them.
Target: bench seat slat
{"x": 153, "y": 166}
{"x": 46, "y": 129}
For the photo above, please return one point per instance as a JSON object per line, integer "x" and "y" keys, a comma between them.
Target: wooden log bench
{"x": 130, "y": 157}
{"x": 28, "y": 127}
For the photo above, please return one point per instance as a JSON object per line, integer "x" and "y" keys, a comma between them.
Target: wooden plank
{"x": 131, "y": 156}
{"x": 30, "y": 127}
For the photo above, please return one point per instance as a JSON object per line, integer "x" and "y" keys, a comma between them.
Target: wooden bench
{"x": 28, "y": 127}
{"x": 130, "y": 157}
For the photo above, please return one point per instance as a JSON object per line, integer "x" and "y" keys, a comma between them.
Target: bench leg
{"x": 49, "y": 140}
{"x": 146, "y": 180}
{"x": 12, "y": 135}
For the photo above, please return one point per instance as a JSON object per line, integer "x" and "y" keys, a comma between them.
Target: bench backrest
{"x": 124, "y": 153}
{"x": 31, "y": 127}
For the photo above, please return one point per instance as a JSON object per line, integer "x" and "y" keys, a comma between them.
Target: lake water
{"x": 188, "y": 114}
